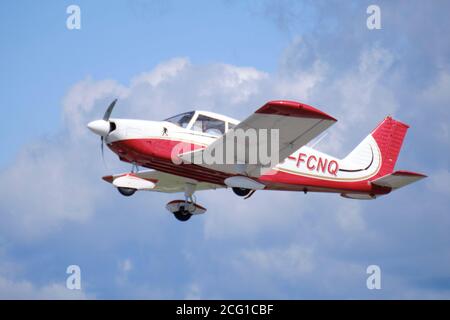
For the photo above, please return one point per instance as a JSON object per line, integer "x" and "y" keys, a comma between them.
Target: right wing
{"x": 152, "y": 180}
{"x": 296, "y": 124}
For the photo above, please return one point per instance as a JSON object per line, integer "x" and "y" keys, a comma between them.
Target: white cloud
{"x": 82, "y": 102}
{"x": 125, "y": 266}
{"x": 193, "y": 292}
{"x": 47, "y": 185}
{"x": 248, "y": 218}
{"x": 302, "y": 83}
{"x": 162, "y": 72}
{"x": 12, "y": 286}
{"x": 23, "y": 289}
{"x": 438, "y": 90}
{"x": 301, "y": 73}
{"x": 240, "y": 83}
{"x": 289, "y": 262}
{"x": 361, "y": 99}
{"x": 436, "y": 98}
{"x": 439, "y": 182}
{"x": 349, "y": 217}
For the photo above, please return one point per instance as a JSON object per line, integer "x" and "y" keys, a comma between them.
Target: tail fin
{"x": 388, "y": 136}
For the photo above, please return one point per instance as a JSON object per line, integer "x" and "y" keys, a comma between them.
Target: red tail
{"x": 389, "y": 137}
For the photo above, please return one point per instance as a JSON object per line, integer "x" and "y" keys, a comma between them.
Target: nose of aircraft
{"x": 100, "y": 127}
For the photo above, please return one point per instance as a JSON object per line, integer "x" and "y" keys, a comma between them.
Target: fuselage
{"x": 151, "y": 143}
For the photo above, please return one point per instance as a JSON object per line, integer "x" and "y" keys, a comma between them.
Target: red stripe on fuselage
{"x": 155, "y": 153}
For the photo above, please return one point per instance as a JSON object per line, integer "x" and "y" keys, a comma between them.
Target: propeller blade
{"x": 109, "y": 110}
{"x": 101, "y": 147}
{"x": 106, "y": 118}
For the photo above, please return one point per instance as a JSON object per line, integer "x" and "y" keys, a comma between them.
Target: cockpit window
{"x": 231, "y": 125}
{"x": 181, "y": 120}
{"x": 209, "y": 125}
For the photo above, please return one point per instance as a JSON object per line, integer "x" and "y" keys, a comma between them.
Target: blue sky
{"x": 164, "y": 57}
{"x": 117, "y": 40}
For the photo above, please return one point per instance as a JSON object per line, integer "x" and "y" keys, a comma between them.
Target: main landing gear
{"x": 242, "y": 192}
{"x": 183, "y": 210}
{"x": 126, "y": 191}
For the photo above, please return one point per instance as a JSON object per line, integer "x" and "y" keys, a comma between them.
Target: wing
{"x": 295, "y": 123}
{"x": 152, "y": 180}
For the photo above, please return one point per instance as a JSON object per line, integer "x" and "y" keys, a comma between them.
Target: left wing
{"x": 297, "y": 124}
{"x": 152, "y": 180}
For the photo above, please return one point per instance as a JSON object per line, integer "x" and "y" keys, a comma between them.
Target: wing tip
{"x": 108, "y": 178}
{"x": 406, "y": 173}
{"x": 293, "y": 109}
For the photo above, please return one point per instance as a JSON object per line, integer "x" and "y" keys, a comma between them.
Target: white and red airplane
{"x": 365, "y": 173}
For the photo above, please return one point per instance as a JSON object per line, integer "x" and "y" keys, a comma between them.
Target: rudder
{"x": 389, "y": 136}
{"x": 380, "y": 148}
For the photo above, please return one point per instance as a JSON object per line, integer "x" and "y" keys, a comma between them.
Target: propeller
{"x": 106, "y": 118}
{"x": 103, "y": 127}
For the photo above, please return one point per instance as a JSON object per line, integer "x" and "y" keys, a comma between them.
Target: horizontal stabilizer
{"x": 398, "y": 179}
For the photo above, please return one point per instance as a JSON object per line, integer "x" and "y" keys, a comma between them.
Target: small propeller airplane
{"x": 367, "y": 172}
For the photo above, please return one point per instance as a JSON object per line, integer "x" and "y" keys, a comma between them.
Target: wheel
{"x": 182, "y": 215}
{"x": 126, "y": 191}
{"x": 241, "y": 192}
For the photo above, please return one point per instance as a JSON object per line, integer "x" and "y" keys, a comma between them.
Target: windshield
{"x": 181, "y": 120}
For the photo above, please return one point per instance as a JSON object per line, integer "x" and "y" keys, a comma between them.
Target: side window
{"x": 231, "y": 125}
{"x": 209, "y": 125}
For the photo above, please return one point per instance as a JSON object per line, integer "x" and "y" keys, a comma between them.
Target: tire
{"x": 182, "y": 215}
{"x": 241, "y": 192}
{"x": 126, "y": 191}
